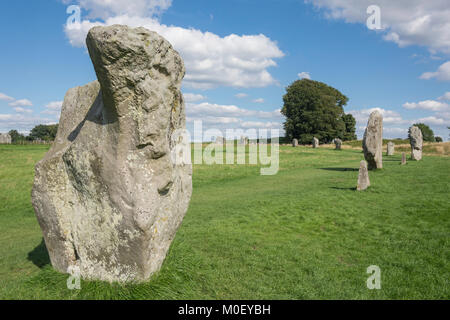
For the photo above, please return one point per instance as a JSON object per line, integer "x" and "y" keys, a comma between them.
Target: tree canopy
{"x": 314, "y": 109}
{"x": 427, "y": 133}
{"x": 44, "y": 132}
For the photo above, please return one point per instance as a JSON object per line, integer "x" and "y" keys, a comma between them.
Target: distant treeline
{"x": 39, "y": 134}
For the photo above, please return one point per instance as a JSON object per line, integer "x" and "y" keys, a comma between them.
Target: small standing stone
{"x": 390, "y": 148}
{"x": 403, "y": 158}
{"x": 315, "y": 142}
{"x": 338, "y": 143}
{"x": 416, "y": 140}
{"x": 295, "y": 143}
{"x": 220, "y": 140}
{"x": 363, "y": 177}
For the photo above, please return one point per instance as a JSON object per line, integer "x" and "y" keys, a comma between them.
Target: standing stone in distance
{"x": 113, "y": 189}
{"x": 363, "y": 177}
{"x": 5, "y": 138}
{"x": 315, "y": 142}
{"x": 220, "y": 140}
{"x": 295, "y": 143}
{"x": 403, "y": 158}
{"x": 416, "y": 140}
{"x": 373, "y": 141}
{"x": 390, "y": 148}
{"x": 338, "y": 143}
{"x": 243, "y": 140}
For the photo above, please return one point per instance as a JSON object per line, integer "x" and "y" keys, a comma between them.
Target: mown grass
{"x": 304, "y": 233}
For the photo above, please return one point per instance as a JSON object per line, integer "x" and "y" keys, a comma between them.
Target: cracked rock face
{"x": 110, "y": 195}
{"x": 373, "y": 141}
{"x": 416, "y": 140}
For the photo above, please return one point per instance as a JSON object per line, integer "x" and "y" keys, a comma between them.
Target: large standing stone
{"x": 373, "y": 141}
{"x": 315, "y": 142}
{"x": 363, "y": 177}
{"x": 390, "y": 148}
{"x": 5, "y": 138}
{"x": 338, "y": 143}
{"x": 416, "y": 140}
{"x": 111, "y": 192}
{"x": 295, "y": 143}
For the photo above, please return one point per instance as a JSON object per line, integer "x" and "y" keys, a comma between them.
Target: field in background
{"x": 304, "y": 233}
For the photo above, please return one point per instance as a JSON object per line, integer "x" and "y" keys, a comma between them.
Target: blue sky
{"x": 240, "y": 56}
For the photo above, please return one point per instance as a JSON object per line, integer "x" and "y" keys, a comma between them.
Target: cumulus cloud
{"x": 22, "y": 110}
{"x": 445, "y": 97}
{"x": 21, "y": 103}
{"x": 389, "y": 116}
{"x": 211, "y": 60}
{"x": 304, "y": 75}
{"x": 192, "y": 97}
{"x": 405, "y": 22}
{"x": 5, "y": 97}
{"x": 430, "y": 105}
{"x": 442, "y": 73}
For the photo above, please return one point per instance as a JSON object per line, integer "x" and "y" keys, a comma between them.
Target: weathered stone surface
{"x": 109, "y": 195}
{"x": 416, "y": 140}
{"x": 363, "y": 177}
{"x": 403, "y": 158}
{"x": 390, "y": 148}
{"x": 315, "y": 142}
{"x": 373, "y": 141}
{"x": 295, "y": 143}
{"x": 5, "y": 138}
{"x": 338, "y": 143}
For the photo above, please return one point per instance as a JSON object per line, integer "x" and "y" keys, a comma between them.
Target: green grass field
{"x": 304, "y": 233}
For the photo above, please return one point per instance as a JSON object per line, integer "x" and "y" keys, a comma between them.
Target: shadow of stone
{"x": 337, "y": 188}
{"x": 340, "y": 169}
{"x": 39, "y": 255}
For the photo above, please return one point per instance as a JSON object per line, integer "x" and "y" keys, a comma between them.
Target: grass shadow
{"x": 340, "y": 169}
{"x": 39, "y": 255}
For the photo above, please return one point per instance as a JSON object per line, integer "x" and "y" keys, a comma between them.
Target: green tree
{"x": 427, "y": 133}
{"x": 44, "y": 132}
{"x": 314, "y": 109}
{"x": 16, "y": 136}
{"x": 350, "y": 127}
{"x": 438, "y": 139}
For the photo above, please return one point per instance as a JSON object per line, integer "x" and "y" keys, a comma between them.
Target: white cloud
{"x": 241, "y": 95}
{"x": 21, "y": 122}
{"x": 22, "y": 110}
{"x": 5, "y": 97}
{"x": 21, "y": 103}
{"x": 405, "y": 22}
{"x": 211, "y": 60}
{"x": 259, "y": 100}
{"x": 430, "y": 105}
{"x": 216, "y": 110}
{"x": 432, "y": 120}
{"x": 443, "y": 73}
{"x": 140, "y": 8}
{"x": 192, "y": 97}
{"x": 389, "y": 116}
{"x": 53, "y": 108}
{"x": 445, "y": 97}
{"x": 304, "y": 75}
